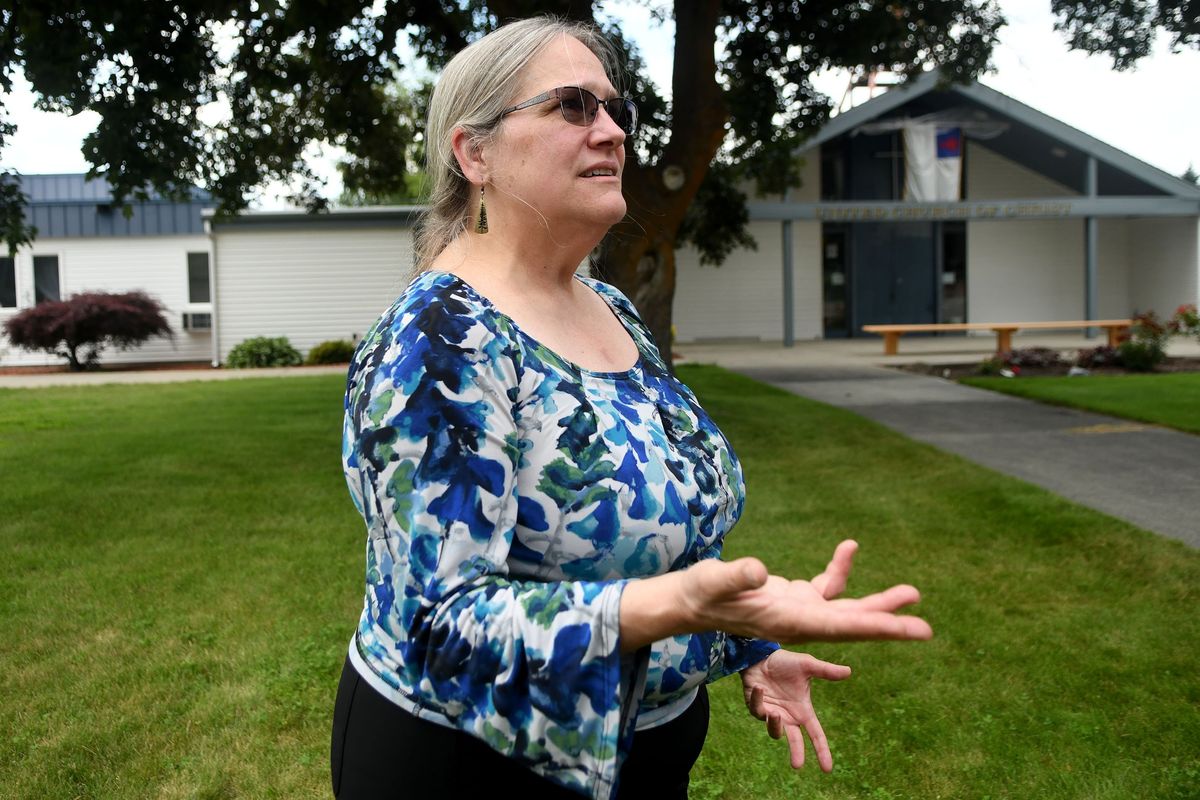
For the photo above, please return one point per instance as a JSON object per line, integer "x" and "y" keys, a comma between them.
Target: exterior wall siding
{"x": 1112, "y": 268}
{"x": 991, "y": 176}
{"x": 156, "y": 265}
{"x": 742, "y": 299}
{"x": 1164, "y": 264}
{"x": 809, "y": 190}
{"x": 738, "y": 300}
{"x": 808, "y": 302}
{"x": 309, "y": 285}
{"x": 1025, "y": 270}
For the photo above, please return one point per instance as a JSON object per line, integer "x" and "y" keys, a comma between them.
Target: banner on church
{"x": 933, "y": 163}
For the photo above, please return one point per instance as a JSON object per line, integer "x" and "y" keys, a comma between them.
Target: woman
{"x": 545, "y": 503}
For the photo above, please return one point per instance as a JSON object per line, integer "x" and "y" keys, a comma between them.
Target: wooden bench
{"x": 1117, "y": 329}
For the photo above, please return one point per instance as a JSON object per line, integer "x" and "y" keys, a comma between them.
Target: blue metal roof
{"x": 72, "y": 206}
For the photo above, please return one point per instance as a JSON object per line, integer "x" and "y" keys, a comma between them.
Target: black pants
{"x": 381, "y": 751}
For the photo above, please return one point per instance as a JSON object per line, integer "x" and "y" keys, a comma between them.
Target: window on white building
{"x": 198, "y": 287}
{"x": 46, "y": 284}
{"x": 8, "y": 282}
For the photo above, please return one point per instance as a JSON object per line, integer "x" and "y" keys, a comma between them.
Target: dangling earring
{"x": 482, "y": 226}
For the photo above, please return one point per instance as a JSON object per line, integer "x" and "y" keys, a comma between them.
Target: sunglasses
{"x": 580, "y": 107}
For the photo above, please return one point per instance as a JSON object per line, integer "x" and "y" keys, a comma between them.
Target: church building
{"x": 950, "y": 204}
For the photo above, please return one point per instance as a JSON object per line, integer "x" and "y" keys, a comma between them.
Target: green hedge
{"x": 335, "y": 351}
{"x": 263, "y": 351}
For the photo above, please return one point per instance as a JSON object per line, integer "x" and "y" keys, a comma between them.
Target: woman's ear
{"x": 469, "y": 154}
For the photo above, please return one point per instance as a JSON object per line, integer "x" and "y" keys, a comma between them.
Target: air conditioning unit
{"x": 197, "y": 322}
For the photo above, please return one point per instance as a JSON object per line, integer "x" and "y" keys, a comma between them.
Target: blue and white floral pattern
{"x": 508, "y": 496}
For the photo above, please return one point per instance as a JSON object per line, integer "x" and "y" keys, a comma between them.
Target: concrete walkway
{"x": 1144, "y": 474}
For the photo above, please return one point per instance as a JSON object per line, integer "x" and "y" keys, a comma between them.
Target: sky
{"x": 1152, "y": 112}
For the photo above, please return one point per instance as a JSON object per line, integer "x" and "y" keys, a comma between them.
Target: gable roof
{"x": 1034, "y": 139}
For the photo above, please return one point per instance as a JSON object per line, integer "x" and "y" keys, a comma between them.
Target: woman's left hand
{"x": 778, "y": 691}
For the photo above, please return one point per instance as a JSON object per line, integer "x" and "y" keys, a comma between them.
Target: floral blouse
{"x": 508, "y": 496}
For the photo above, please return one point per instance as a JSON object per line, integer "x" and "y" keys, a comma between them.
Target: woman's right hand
{"x": 741, "y": 597}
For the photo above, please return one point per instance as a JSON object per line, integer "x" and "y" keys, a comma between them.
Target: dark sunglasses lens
{"x": 623, "y": 112}
{"x": 578, "y": 107}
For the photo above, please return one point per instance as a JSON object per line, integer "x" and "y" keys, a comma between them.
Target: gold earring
{"x": 482, "y": 225}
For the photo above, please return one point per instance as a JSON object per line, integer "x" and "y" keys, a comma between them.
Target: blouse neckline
{"x": 541, "y": 348}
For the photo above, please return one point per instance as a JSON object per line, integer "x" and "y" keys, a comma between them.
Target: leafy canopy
{"x": 232, "y": 94}
{"x": 1125, "y": 29}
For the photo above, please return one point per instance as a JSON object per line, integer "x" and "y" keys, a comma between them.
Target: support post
{"x": 1090, "y": 248}
{"x": 789, "y": 282}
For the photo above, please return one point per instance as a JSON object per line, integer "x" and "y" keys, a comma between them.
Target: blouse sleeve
{"x": 534, "y": 669}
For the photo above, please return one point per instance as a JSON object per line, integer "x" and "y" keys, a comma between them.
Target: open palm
{"x": 742, "y": 597}
{"x": 778, "y": 690}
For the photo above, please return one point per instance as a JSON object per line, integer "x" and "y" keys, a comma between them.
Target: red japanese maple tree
{"x": 81, "y": 326}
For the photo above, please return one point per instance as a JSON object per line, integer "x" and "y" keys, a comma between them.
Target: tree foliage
{"x": 80, "y": 327}
{"x": 1125, "y": 29}
{"x": 231, "y": 94}
{"x": 409, "y": 104}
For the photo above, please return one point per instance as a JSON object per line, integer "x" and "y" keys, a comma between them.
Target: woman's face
{"x": 569, "y": 174}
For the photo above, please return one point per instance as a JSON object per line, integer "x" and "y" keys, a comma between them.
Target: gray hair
{"x": 473, "y": 90}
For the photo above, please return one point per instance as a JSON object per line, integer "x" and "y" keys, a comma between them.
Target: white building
{"x": 310, "y": 278}
{"x": 85, "y": 244}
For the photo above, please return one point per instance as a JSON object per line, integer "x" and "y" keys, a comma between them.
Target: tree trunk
{"x": 639, "y": 254}
{"x": 72, "y": 355}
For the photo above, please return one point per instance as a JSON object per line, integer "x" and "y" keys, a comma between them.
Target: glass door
{"x": 835, "y": 281}
{"x": 953, "y": 305}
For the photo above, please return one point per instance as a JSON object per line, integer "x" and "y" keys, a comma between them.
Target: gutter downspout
{"x": 212, "y": 286}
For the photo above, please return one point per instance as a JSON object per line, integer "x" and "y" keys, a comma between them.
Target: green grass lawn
{"x": 1172, "y": 399}
{"x": 182, "y": 575}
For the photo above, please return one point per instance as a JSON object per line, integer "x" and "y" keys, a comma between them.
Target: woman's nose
{"x": 606, "y": 124}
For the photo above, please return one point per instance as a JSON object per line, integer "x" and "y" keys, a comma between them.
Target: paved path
{"x": 1145, "y": 474}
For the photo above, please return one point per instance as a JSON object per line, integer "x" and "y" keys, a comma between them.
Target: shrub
{"x": 263, "y": 351}
{"x": 1146, "y": 346}
{"x": 1140, "y": 355}
{"x": 81, "y": 326}
{"x": 335, "y": 351}
{"x": 1186, "y": 321}
{"x": 1148, "y": 328}
{"x": 1104, "y": 356}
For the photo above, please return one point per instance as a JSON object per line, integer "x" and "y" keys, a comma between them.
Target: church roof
{"x": 1030, "y": 137}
